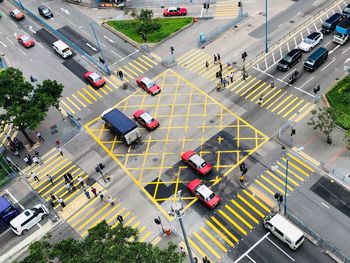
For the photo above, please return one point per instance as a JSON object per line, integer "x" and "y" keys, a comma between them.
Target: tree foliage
{"x": 103, "y": 244}
{"x": 144, "y": 21}
{"x": 24, "y": 105}
{"x": 323, "y": 120}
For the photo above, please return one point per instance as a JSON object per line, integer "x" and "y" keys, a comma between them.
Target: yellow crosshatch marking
{"x": 189, "y": 120}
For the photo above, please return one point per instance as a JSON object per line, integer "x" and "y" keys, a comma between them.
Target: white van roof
{"x": 21, "y": 217}
{"x": 60, "y": 44}
{"x": 282, "y": 224}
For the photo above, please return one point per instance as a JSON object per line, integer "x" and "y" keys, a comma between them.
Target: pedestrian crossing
{"x": 226, "y": 9}
{"x": 88, "y": 95}
{"x": 273, "y": 98}
{"x": 80, "y": 212}
{"x": 8, "y": 129}
{"x": 234, "y": 220}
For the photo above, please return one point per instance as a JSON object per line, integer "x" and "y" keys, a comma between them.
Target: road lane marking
{"x": 239, "y": 217}
{"x": 219, "y": 233}
{"x": 280, "y": 249}
{"x": 206, "y": 245}
{"x": 301, "y": 162}
{"x": 307, "y": 82}
{"x": 252, "y": 247}
{"x": 14, "y": 198}
{"x": 328, "y": 64}
{"x": 225, "y": 229}
{"x": 257, "y": 201}
{"x": 208, "y": 234}
{"x": 325, "y": 205}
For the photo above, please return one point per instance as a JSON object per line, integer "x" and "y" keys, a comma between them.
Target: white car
{"x": 28, "y": 218}
{"x": 311, "y": 41}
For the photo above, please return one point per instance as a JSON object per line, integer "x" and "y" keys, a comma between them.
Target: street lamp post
{"x": 177, "y": 209}
{"x": 266, "y": 46}
{"x": 286, "y": 183}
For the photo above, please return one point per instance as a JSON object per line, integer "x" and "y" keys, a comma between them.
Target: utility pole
{"x": 177, "y": 210}
{"x": 286, "y": 182}
{"x": 317, "y": 94}
{"x": 240, "y": 5}
{"x": 103, "y": 60}
{"x": 266, "y": 45}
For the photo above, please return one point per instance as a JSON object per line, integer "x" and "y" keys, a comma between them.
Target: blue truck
{"x": 122, "y": 126}
{"x": 342, "y": 32}
{"x": 7, "y": 212}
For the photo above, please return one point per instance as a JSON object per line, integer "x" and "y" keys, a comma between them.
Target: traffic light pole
{"x": 285, "y": 187}
{"x": 266, "y": 44}
{"x": 99, "y": 47}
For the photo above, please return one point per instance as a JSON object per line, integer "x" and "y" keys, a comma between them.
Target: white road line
{"x": 288, "y": 74}
{"x": 340, "y": 9}
{"x": 22, "y": 52}
{"x": 308, "y": 31}
{"x": 281, "y": 54}
{"x": 126, "y": 56}
{"x": 24, "y": 32}
{"x": 13, "y": 23}
{"x": 307, "y": 82}
{"x": 295, "y": 42}
{"x": 10, "y": 40}
{"x": 39, "y": 45}
{"x": 301, "y": 34}
{"x": 331, "y": 51}
{"x": 86, "y": 33}
{"x": 103, "y": 45}
{"x": 325, "y": 205}
{"x": 252, "y": 247}
{"x": 328, "y": 64}
{"x": 321, "y": 21}
{"x": 2, "y": 43}
{"x": 280, "y": 249}
{"x": 116, "y": 54}
{"x": 71, "y": 22}
{"x": 257, "y": 65}
{"x": 266, "y": 67}
{"x": 288, "y": 46}
{"x": 109, "y": 39}
{"x": 13, "y": 198}
{"x": 31, "y": 60}
{"x": 3, "y": 233}
{"x": 327, "y": 15}
{"x": 1, "y": 33}
{"x": 333, "y": 11}
{"x": 345, "y": 50}
{"x": 330, "y": 41}
{"x": 252, "y": 260}
{"x": 80, "y": 27}
{"x": 315, "y": 26}
{"x": 273, "y": 57}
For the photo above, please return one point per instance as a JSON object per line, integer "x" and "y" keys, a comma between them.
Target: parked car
{"x": 94, "y": 79}
{"x": 329, "y": 24}
{"x": 16, "y": 14}
{"x": 289, "y": 60}
{"x": 311, "y": 41}
{"x": 148, "y": 85}
{"x": 207, "y": 196}
{"x": 316, "y": 59}
{"x": 175, "y": 11}
{"x": 346, "y": 10}
{"x": 45, "y": 11}
{"x": 25, "y": 41}
{"x": 196, "y": 162}
{"x": 146, "y": 120}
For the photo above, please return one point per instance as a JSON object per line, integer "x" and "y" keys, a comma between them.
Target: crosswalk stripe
{"x": 139, "y": 70}
{"x": 210, "y": 68}
{"x": 103, "y": 90}
{"x": 272, "y": 96}
{"x": 115, "y": 215}
{"x": 272, "y": 183}
{"x": 246, "y": 84}
{"x": 139, "y": 58}
{"x": 186, "y": 63}
{"x": 206, "y": 245}
{"x": 302, "y": 163}
{"x": 87, "y": 221}
{"x": 293, "y": 108}
{"x": 114, "y": 79}
{"x": 194, "y": 63}
{"x": 219, "y": 233}
{"x": 90, "y": 95}
{"x": 77, "y": 99}
{"x": 245, "y": 211}
{"x": 140, "y": 65}
{"x": 75, "y": 105}
{"x": 286, "y": 106}
{"x": 281, "y": 103}
{"x": 297, "y": 168}
{"x": 142, "y": 229}
{"x": 145, "y": 236}
{"x": 264, "y": 186}
{"x": 150, "y": 60}
{"x": 279, "y": 180}
{"x": 233, "y": 222}
{"x": 136, "y": 224}
{"x": 94, "y": 91}
{"x": 125, "y": 216}
{"x": 256, "y": 201}
{"x": 187, "y": 55}
{"x": 303, "y": 114}
{"x": 67, "y": 107}
{"x": 206, "y": 232}
{"x": 108, "y": 87}
{"x": 255, "y": 99}
{"x": 276, "y": 100}
{"x": 89, "y": 205}
{"x": 251, "y": 87}
{"x": 197, "y": 248}
{"x": 225, "y": 229}
{"x": 238, "y": 216}
{"x": 49, "y": 172}
{"x": 84, "y": 97}
{"x": 76, "y": 184}
{"x": 255, "y": 90}
{"x": 54, "y": 156}
{"x": 289, "y": 178}
{"x": 128, "y": 71}
{"x": 129, "y": 221}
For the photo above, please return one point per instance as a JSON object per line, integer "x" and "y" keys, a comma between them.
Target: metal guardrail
{"x": 320, "y": 241}
{"x": 217, "y": 32}
{"x": 62, "y": 37}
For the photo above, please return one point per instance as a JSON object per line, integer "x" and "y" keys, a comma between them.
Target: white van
{"x": 28, "y": 218}
{"x": 284, "y": 230}
{"x": 61, "y": 48}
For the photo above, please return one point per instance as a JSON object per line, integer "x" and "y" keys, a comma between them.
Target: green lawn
{"x": 339, "y": 98}
{"x": 4, "y": 169}
{"x": 168, "y": 26}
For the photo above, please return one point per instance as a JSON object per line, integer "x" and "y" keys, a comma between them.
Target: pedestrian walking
{"x": 219, "y": 58}
{"x": 58, "y": 143}
{"x": 66, "y": 179}
{"x": 183, "y": 251}
{"x": 101, "y": 195}
{"x": 8, "y": 137}
{"x": 94, "y": 191}
{"x": 18, "y": 143}
{"x": 110, "y": 200}
{"x": 29, "y": 158}
{"x": 241, "y": 179}
{"x": 72, "y": 186}
{"x": 272, "y": 83}
{"x": 231, "y": 77}
{"x": 36, "y": 153}
{"x": 26, "y": 160}
{"x": 195, "y": 260}
{"x": 215, "y": 59}
{"x": 35, "y": 160}
{"x": 206, "y": 260}
{"x": 261, "y": 101}
{"x": 39, "y": 136}
{"x": 220, "y": 65}
{"x": 50, "y": 178}
{"x": 35, "y": 177}
{"x": 120, "y": 219}
{"x": 60, "y": 150}
{"x": 207, "y": 64}
{"x": 87, "y": 194}
{"x": 53, "y": 197}
{"x": 68, "y": 187}
{"x": 61, "y": 202}
{"x": 70, "y": 177}
{"x": 81, "y": 181}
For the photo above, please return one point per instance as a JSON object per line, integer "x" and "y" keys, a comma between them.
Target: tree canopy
{"x": 103, "y": 244}
{"x": 23, "y": 105}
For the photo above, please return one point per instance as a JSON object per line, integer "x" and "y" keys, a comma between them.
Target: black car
{"x": 289, "y": 60}
{"x": 329, "y": 25}
{"x": 45, "y": 11}
{"x": 346, "y": 11}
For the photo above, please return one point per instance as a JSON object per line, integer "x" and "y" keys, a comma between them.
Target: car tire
{"x": 43, "y": 216}
{"x": 24, "y": 231}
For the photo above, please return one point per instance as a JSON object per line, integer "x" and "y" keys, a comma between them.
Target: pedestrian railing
{"x": 218, "y": 31}
{"x": 62, "y": 37}
{"x": 320, "y": 241}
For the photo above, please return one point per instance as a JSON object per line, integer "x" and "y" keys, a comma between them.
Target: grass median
{"x": 167, "y": 27}
{"x": 339, "y": 99}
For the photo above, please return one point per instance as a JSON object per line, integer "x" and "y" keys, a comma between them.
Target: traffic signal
{"x": 206, "y": 5}
{"x": 101, "y": 166}
{"x": 316, "y": 90}
{"x": 172, "y": 50}
{"x": 279, "y": 197}
{"x": 120, "y": 74}
{"x": 157, "y": 221}
{"x": 242, "y": 166}
{"x": 293, "y": 132}
{"x": 241, "y": 178}
{"x": 101, "y": 60}
{"x": 239, "y": 4}
{"x": 244, "y": 55}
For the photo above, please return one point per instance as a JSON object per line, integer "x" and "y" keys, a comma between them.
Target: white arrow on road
{"x": 65, "y": 10}
{"x": 31, "y": 29}
{"x": 110, "y": 40}
{"x": 93, "y": 48}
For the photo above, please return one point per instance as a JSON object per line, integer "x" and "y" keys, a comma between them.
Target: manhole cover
{"x": 54, "y": 127}
{"x": 234, "y": 63}
{"x": 291, "y": 21}
{"x": 155, "y": 159}
{"x": 212, "y": 121}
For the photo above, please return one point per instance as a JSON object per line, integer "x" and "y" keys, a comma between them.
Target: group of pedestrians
{"x": 99, "y": 194}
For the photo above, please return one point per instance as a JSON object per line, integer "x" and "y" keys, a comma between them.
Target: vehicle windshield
{"x": 65, "y": 50}
{"x": 210, "y": 197}
{"x": 95, "y": 77}
{"x": 287, "y": 58}
{"x": 16, "y": 11}
{"x": 326, "y": 25}
{"x": 309, "y": 61}
{"x": 147, "y": 118}
{"x": 150, "y": 84}
{"x": 46, "y": 11}
{"x": 308, "y": 41}
{"x": 202, "y": 165}
{"x": 347, "y": 9}
{"x": 25, "y": 38}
